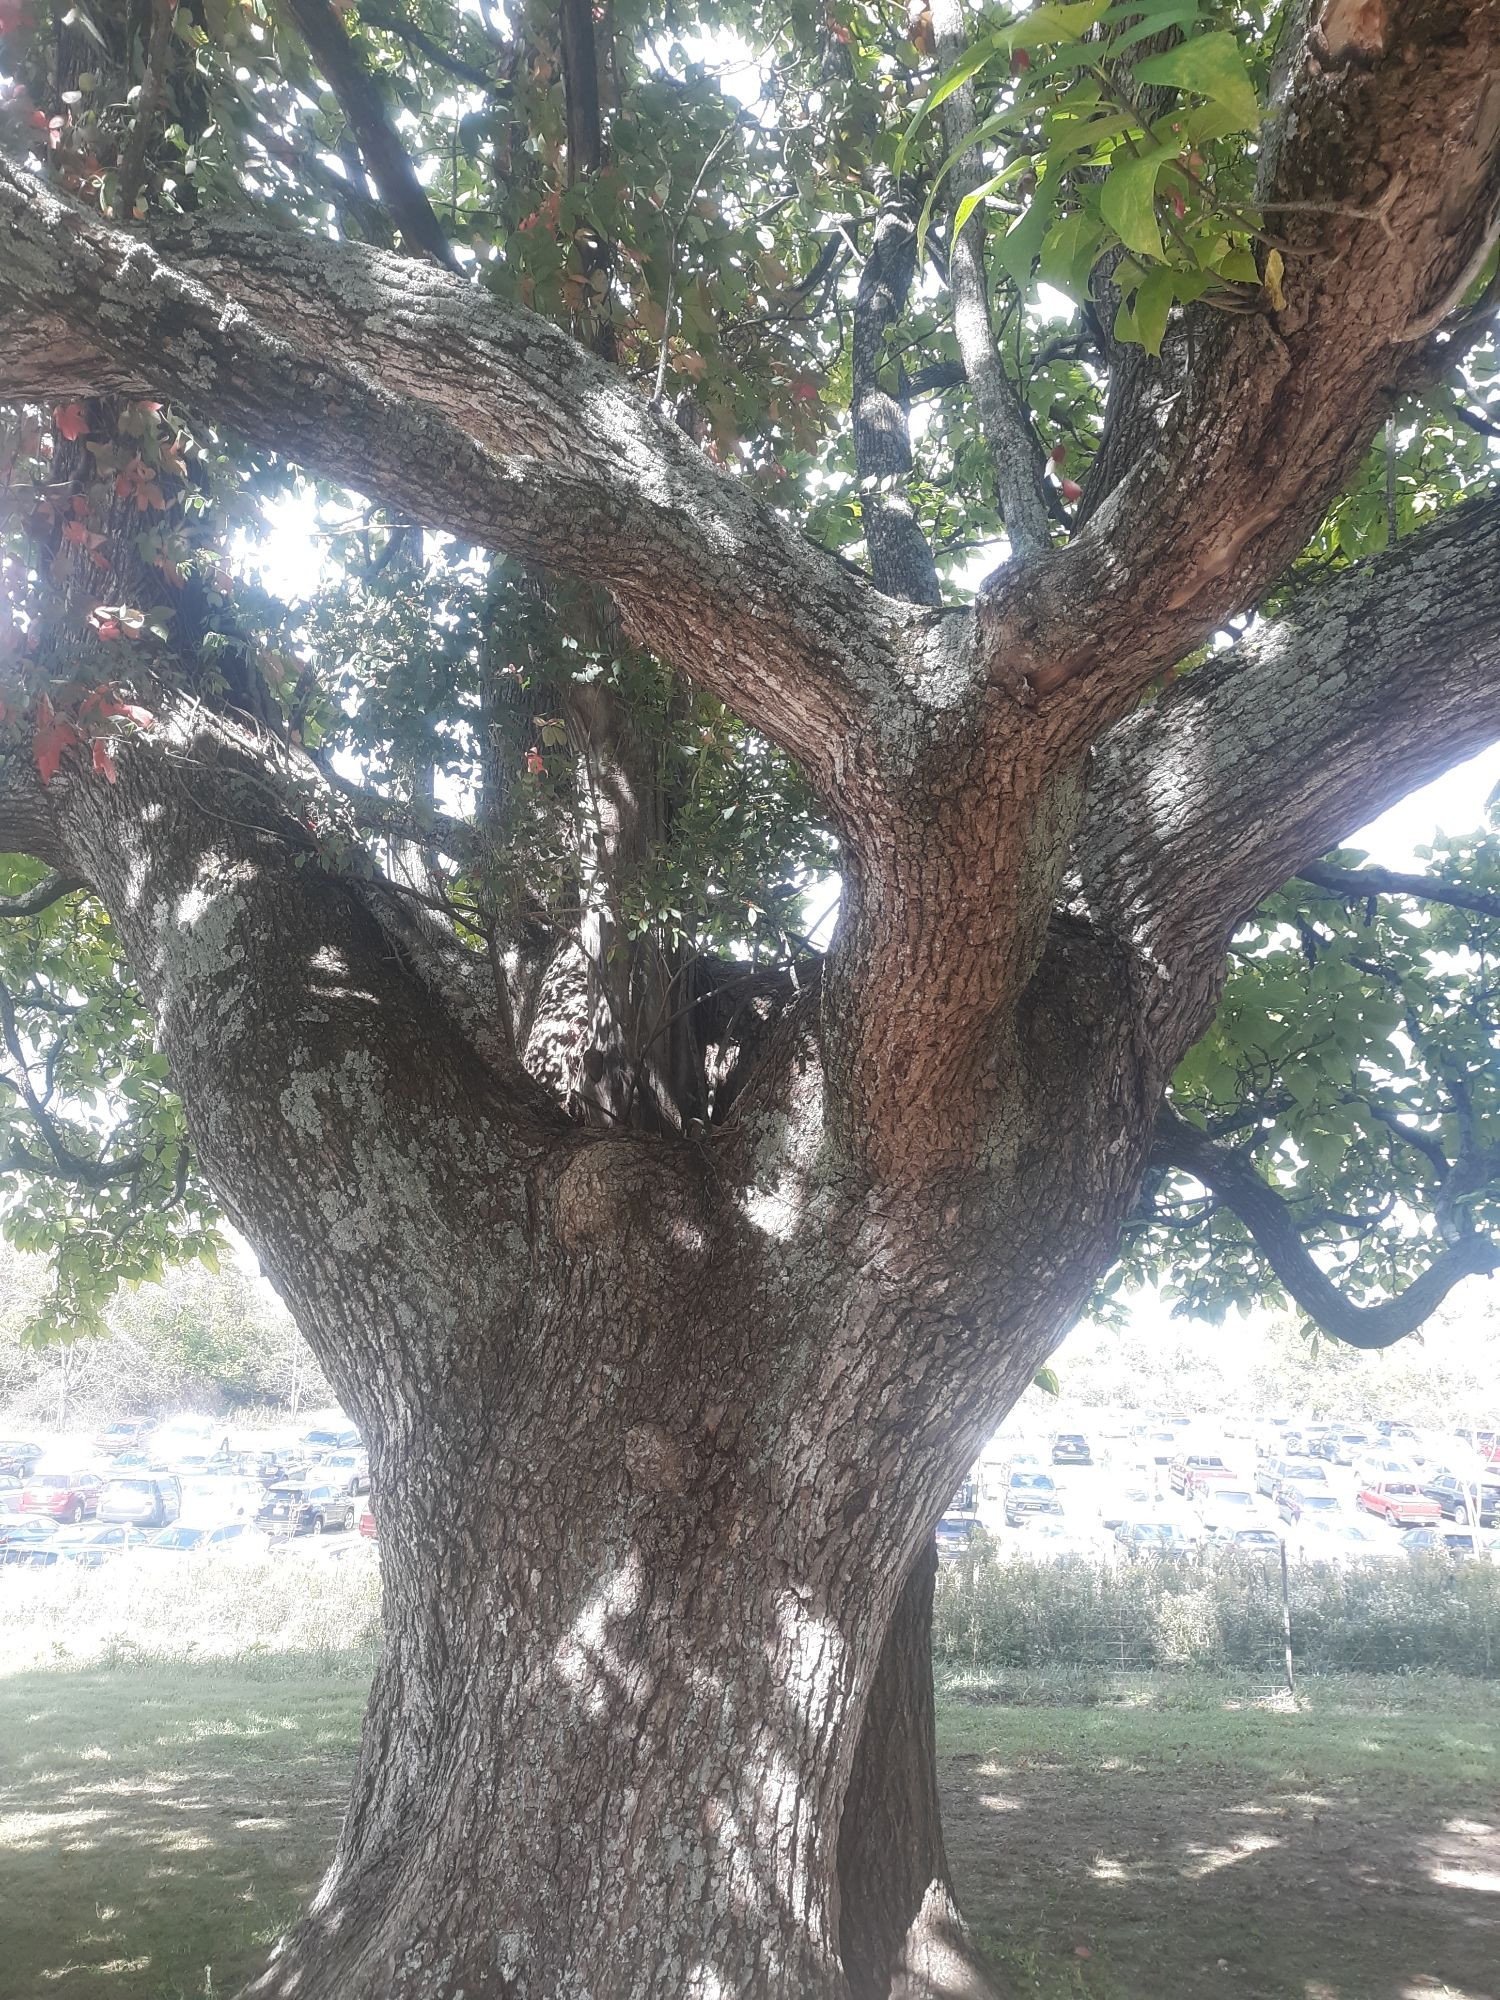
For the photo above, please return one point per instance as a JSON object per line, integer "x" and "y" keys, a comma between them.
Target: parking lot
{"x": 1128, "y": 1482}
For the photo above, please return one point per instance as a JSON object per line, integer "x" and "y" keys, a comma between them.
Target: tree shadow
{"x": 1179, "y": 1873}
{"x": 160, "y": 1825}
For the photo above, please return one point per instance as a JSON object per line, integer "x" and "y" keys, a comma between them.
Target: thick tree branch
{"x": 40, "y": 896}
{"x": 1358, "y": 884}
{"x": 575, "y": 20}
{"x": 1280, "y": 747}
{"x": 899, "y": 556}
{"x": 1273, "y": 1228}
{"x": 1381, "y": 167}
{"x": 391, "y": 23}
{"x": 1003, "y": 417}
{"x": 362, "y": 104}
{"x": 470, "y": 416}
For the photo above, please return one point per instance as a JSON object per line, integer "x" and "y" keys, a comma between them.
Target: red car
{"x": 1401, "y": 1501}
{"x": 66, "y": 1496}
{"x": 367, "y": 1525}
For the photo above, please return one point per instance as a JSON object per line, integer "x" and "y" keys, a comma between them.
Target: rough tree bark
{"x": 660, "y": 1425}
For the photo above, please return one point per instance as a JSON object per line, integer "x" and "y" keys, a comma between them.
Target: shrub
{"x": 1217, "y": 1610}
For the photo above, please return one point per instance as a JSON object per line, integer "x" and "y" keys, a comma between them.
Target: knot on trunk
{"x": 620, "y": 1187}
{"x": 658, "y": 1462}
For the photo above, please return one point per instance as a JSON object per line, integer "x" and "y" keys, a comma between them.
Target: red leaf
{"x": 103, "y": 762}
{"x": 49, "y": 743}
{"x": 71, "y": 422}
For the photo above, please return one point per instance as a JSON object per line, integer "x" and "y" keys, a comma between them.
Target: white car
{"x": 1226, "y": 1507}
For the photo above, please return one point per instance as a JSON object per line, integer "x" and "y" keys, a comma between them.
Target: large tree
{"x": 674, "y": 1269}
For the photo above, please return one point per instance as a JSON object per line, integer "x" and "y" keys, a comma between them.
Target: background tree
{"x": 674, "y": 1269}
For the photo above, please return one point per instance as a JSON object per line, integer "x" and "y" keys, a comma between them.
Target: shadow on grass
{"x": 162, "y": 1823}
{"x": 1334, "y": 1850}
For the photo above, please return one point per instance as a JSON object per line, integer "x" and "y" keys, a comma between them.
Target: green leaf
{"x": 1018, "y": 249}
{"x": 1210, "y": 66}
{"x": 954, "y": 79}
{"x": 993, "y": 185}
{"x": 1046, "y": 1380}
{"x": 1127, "y": 201}
{"x": 1153, "y": 303}
{"x": 1054, "y": 21}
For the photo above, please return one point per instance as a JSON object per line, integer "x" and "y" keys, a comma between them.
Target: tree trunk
{"x": 609, "y": 1735}
{"x": 902, "y": 1935}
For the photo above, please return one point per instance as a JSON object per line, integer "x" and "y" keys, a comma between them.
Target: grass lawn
{"x": 1114, "y": 1837}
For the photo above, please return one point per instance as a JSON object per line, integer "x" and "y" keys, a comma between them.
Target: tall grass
{"x": 1217, "y": 1612}
{"x": 277, "y": 1609}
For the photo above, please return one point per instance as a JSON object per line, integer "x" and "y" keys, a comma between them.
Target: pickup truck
{"x": 1401, "y": 1501}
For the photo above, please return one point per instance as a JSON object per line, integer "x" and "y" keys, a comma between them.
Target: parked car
{"x": 1247, "y": 1540}
{"x": 141, "y": 1499}
{"x": 18, "y": 1457}
{"x": 184, "y": 1540}
{"x": 367, "y": 1524}
{"x": 20, "y": 1533}
{"x": 1028, "y": 1493}
{"x": 129, "y": 1434}
{"x": 1399, "y": 1500}
{"x": 314, "y": 1443}
{"x": 1270, "y": 1472}
{"x": 1153, "y": 1538}
{"x": 347, "y": 1469}
{"x": 1431, "y": 1541}
{"x": 1194, "y": 1467}
{"x": 1297, "y": 1503}
{"x": 1224, "y": 1506}
{"x": 1070, "y": 1448}
{"x": 1455, "y": 1497}
{"x": 87, "y": 1547}
{"x": 307, "y": 1509}
{"x": 954, "y": 1532}
{"x": 66, "y": 1496}
{"x": 1347, "y": 1447}
{"x": 1303, "y": 1474}
{"x": 1342, "y": 1540}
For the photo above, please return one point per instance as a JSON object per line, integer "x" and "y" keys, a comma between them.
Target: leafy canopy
{"x": 714, "y": 250}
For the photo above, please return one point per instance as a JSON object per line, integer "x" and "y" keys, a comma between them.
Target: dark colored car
{"x": 18, "y": 1538}
{"x": 1028, "y": 1493}
{"x": 1439, "y": 1542}
{"x": 87, "y": 1547}
{"x": 1068, "y": 1448}
{"x": 1455, "y": 1497}
{"x": 17, "y": 1456}
{"x": 141, "y": 1499}
{"x": 306, "y": 1509}
{"x": 66, "y": 1496}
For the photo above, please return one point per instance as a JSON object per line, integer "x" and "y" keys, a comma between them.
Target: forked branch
{"x": 1272, "y": 1226}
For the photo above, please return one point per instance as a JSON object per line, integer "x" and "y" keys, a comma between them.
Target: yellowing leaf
{"x": 1275, "y": 268}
